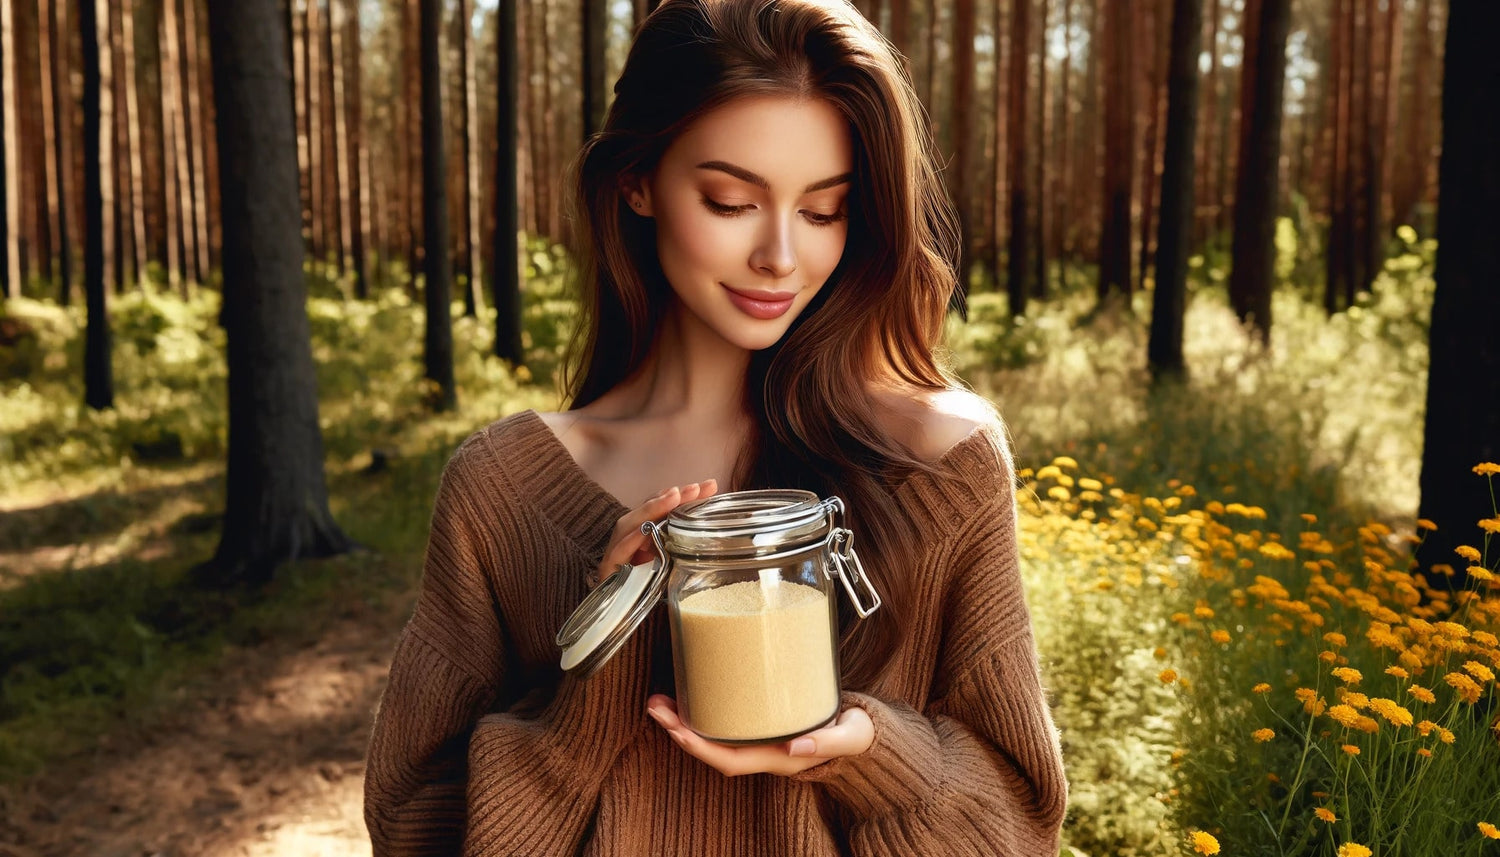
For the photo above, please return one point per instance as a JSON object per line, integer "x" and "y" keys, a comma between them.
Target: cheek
{"x": 826, "y": 248}
{"x": 685, "y": 238}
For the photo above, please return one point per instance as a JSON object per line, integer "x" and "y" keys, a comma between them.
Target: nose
{"x": 774, "y": 255}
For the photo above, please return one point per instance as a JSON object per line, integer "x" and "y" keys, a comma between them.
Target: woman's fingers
{"x": 629, "y": 543}
{"x": 850, "y": 735}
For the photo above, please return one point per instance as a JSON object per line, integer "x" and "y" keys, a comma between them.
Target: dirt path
{"x": 264, "y": 759}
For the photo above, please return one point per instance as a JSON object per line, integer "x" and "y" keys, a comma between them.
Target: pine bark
{"x": 1463, "y": 382}
{"x": 196, "y": 126}
{"x": 437, "y": 270}
{"x": 1169, "y": 299}
{"x": 340, "y": 115}
{"x": 1018, "y": 266}
{"x": 172, "y": 151}
{"x": 134, "y": 165}
{"x": 98, "y": 380}
{"x": 1119, "y": 112}
{"x": 963, "y": 132}
{"x": 595, "y": 24}
{"x": 506, "y": 267}
{"x": 9, "y": 253}
{"x": 1258, "y": 183}
{"x": 276, "y": 505}
{"x": 359, "y": 191}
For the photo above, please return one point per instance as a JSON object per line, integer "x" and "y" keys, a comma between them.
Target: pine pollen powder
{"x": 757, "y": 660}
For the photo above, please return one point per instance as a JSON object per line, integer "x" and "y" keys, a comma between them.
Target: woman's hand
{"x": 628, "y": 545}
{"x": 850, "y": 735}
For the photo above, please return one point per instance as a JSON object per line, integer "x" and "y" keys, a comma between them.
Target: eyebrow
{"x": 745, "y": 175}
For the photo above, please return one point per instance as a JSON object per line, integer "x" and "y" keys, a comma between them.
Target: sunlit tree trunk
{"x": 172, "y": 150}
{"x": 963, "y": 131}
{"x": 343, "y": 168}
{"x": 1156, "y": 65}
{"x": 9, "y": 255}
{"x": 133, "y": 141}
{"x": 197, "y": 126}
{"x": 359, "y": 174}
{"x": 595, "y": 25}
{"x": 1041, "y": 223}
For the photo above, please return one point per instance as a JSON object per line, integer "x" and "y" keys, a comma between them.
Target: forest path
{"x": 265, "y": 757}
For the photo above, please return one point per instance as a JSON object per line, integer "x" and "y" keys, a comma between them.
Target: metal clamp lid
{"x": 608, "y": 615}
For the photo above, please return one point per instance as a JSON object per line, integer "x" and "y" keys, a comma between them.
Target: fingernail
{"x": 803, "y": 747}
{"x": 655, "y": 713}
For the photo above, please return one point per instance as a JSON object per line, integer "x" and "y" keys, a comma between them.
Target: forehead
{"x": 792, "y": 142}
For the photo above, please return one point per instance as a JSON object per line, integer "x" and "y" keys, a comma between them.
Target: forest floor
{"x": 264, "y": 758}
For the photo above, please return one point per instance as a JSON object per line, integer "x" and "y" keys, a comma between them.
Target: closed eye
{"x": 736, "y": 210}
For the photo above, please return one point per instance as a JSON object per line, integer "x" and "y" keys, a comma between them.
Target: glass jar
{"x": 748, "y": 578}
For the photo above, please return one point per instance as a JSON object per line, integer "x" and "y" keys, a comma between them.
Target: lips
{"x": 761, "y": 305}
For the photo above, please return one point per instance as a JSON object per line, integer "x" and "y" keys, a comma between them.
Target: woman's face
{"x": 750, "y": 204}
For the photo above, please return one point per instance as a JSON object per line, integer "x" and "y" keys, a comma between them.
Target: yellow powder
{"x": 756, "y": 661}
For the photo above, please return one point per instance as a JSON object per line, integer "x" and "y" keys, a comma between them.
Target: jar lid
{"x": 748, "y": 524}
{"x": 609, "y": 615}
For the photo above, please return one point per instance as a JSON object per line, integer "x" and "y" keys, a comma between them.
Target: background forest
{"x": 1231, "y": 278}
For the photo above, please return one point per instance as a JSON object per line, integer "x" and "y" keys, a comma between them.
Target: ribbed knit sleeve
{"x": 979, "y": 770}
{"x": 443, "y": 676}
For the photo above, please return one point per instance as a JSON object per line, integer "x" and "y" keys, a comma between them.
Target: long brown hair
{"x": 879, "y": 315}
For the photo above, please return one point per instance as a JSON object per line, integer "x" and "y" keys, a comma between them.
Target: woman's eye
{"x": 725, "y": 210}
{"x": 825, "y": 219}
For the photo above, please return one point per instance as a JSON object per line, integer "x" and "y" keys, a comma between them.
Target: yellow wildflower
{"x": 1424, "y": 524}
{"x": 1325, "y": 815}
{"x": 1425, "y": 727}
{"x": 1392, "y": 712}
{"x": 1348, "y": 675}
{"x": 1328, "y": 657}
{"x": 1489, "y": 831}
{"x": 1367, "y": 724}
{"x": 1219, "y": 636}
{"x": 1424, "y": 752}
{"x": 1351, "y": 749}
{"x": 1334, "y": 638}
{"x": 1465, "y": 686}
{"x": 1487, "y": 468}
{"x": 1065, "y": 461}
{"x": 1352, "y": 699}
{"x": 1181, "y": 618}
{"x": 1167, "y": 676}
{"x": 1445, "y": 736}
{"x": 1315, "y": 707}
{"x": 1478, "y": 670}
{"x": 1479, "y": 572}
{"x": 1203, "y": 611}
{"x": 1304, "y": 694}
{"x": 1344, "y": 714}
{"x": 1261, "y": 688}
{"x": 1206, "y": 844}
{"x": 1467, "y": 552}
{"x": 1490, "y": 525}
{"x": 1422, "y": 693}
{"x": 1058, "y": 493}
{"x": 1159, "y": 653}
{"x": 1397, "y": 672}
{"x": 1261, "y": 736}
{"x": 1353, "y": 849}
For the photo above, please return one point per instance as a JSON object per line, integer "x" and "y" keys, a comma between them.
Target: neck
{"x": 691, "y": 374}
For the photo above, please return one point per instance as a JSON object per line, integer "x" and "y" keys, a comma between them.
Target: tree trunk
{"x": 1040, "y": 222}
{"x": 506, "y": 267}
{"x": 1204, "y": 194}
{"x": 196, "y": 124}
{"x": 1338, "y": 278}
{"x": 316, "y": 165}
{"x": 464, "y": 101}
{"x": 901, "y": 29}
{"x": 359, "y": 192}
{"x": 172, "y": 149}
{"x": 341, "y": 153}
{"x": 1151, "y": 150}
{"x": 1064, "y": 149}
{"x": 412, "y": 78}
{"x": 1463, "y": 381}
{"x": 133, "y": 142}
{"x": 963, "y": 132}
{"x": 333, "y": 209}
{"x": 1409, "y": 186}
{"x": 1119, "y": 112}
{"x": 1255, "y": 199}
{"x": 438, "y": 350}
{"x": 276, "y": 505}
{"x": 1018, "y": 266}
{"x": 9, "y": 257}
{"x": 595, "y": 26}
{"x": 1169, "y": 299}
{"x": 98, "y": 375}
{"x": 61, "y": 139}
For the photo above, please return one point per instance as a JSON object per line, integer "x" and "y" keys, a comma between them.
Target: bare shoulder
{"x": 931, "y": 422}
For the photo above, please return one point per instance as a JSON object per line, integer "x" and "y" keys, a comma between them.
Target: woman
{"x": 771, "y": 259}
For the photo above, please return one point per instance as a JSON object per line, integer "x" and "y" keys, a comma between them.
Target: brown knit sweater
{"x": 483, "y": 746}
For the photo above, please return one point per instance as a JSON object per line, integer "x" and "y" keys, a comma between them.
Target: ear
{"x": 637, "y": 194}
